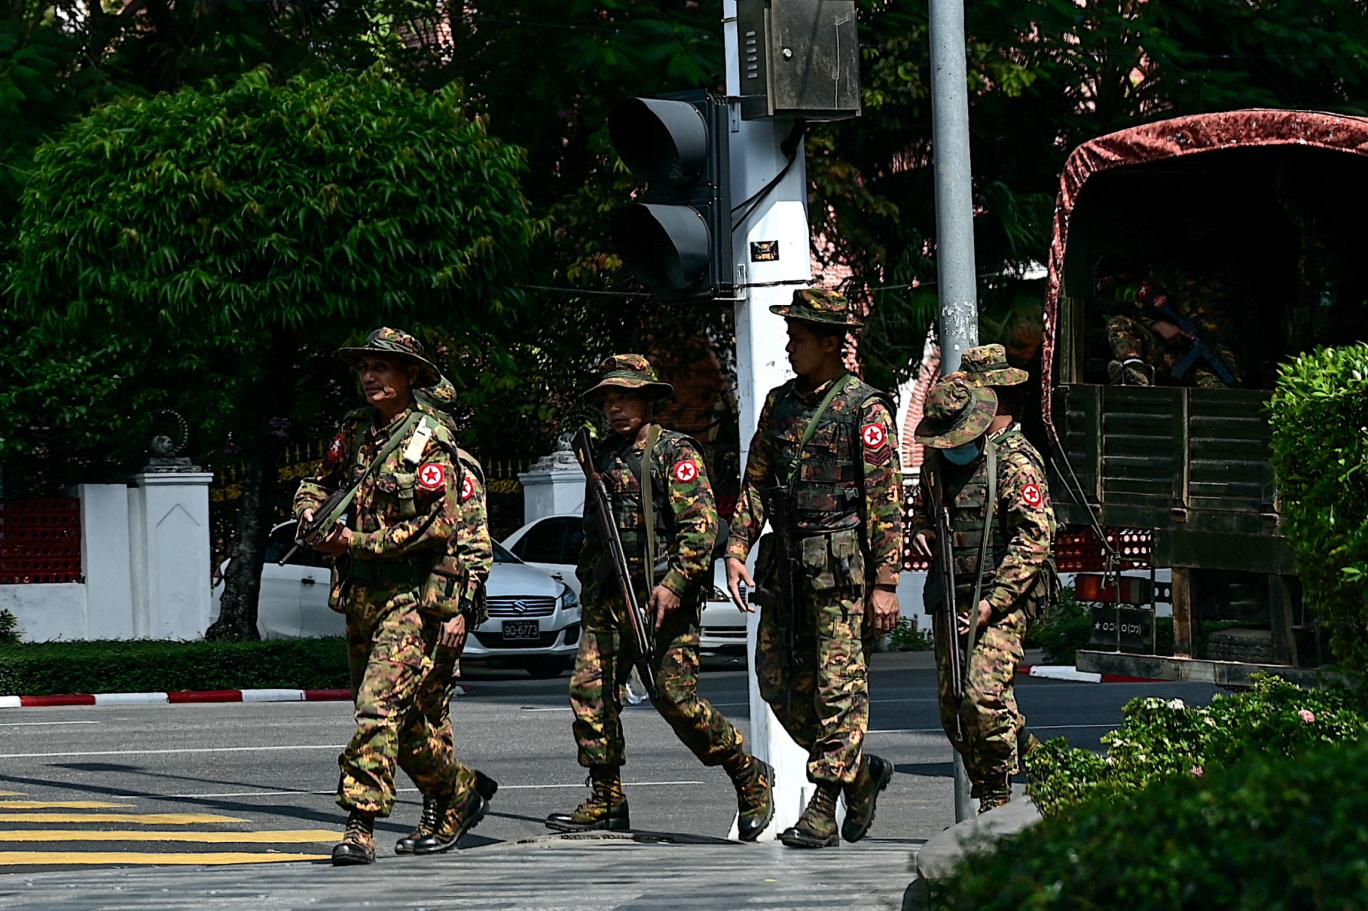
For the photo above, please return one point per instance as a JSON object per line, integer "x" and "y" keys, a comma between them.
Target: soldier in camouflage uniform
{"x": 823, "y": 470}
{"x": 405, "y": 564}
{"x": 1012, "y": 583}
{"x": 670, "y": 467}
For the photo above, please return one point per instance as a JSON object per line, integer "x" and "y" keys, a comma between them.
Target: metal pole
{"x": 761, "y": 363}
{"x": 955, "y": 270}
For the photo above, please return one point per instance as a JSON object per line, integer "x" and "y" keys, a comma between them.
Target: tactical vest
{"x": 827, "y": 491}
{"x": 965, "y": 494}
{"x": 620, "y": 462}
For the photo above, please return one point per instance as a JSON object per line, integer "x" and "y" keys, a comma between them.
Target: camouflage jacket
{"x": 1024, "y": 523}
{"x": 473, "y": 551}
{"x": 880, "y": 481}
{"x": 684, "y": 507}
{"x": 406, "y": 508}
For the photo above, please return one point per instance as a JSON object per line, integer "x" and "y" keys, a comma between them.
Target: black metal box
{"x": 798, "y": 58}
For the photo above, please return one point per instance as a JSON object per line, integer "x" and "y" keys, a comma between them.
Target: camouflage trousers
{"x": 988, "y": 717}
{"x": 402, "y": 686}
{"x": 1134, "y": 341}
{"x": 602, "y": 666}
{"x": 818, "y": 686}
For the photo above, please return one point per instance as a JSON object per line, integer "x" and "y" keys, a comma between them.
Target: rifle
{"x": 945, "y": 570}
{"x": 1200, "y": 348}
{"x": 643, "y": 634}
{"x": 774, "y": 571}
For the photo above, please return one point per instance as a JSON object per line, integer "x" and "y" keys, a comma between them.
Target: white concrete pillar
{"x": 554, "y": 486}
{"x": 106, "y": 562}
{"x": 168, "y": 519}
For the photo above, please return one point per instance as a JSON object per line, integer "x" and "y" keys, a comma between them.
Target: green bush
{"x": 1268, "y": 834}
{"x": 9, "y": 628}
{"x": 1161, "y": 739}
{"x": 907, "y": 638}
{"x": 1319, "y": 415}
{"x": 41, "y": 668}
{"x": 1064, "y": 629}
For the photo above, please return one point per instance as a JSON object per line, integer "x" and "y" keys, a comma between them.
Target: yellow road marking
{"x": 62, "y": 805}
{"x": 11, "y": 793}
{"x": 148, "y": 819}
{"x": 84, "y": 858}
{"x": 281, "y": 837}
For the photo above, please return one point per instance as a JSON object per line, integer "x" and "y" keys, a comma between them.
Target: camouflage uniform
{"x": 406, "y": 572}
{"x": 685, "y": 533}
{"x": 1201, "y": 298}
{"x": 1015, "y": 578}
{"x": 846, "y": 523}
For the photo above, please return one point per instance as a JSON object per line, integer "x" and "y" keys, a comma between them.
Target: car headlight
{"x": 718, "y": 595}
{"x": 569, "y": 601}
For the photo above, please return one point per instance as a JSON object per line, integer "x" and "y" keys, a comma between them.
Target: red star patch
{"x": 685, "y": 471}
{"x": 333, "y": 456}
{"x": 1031, "y": 495}
{"x": 431, "y": 476}
{"x": 874, "y": 435}
{"x": 467, "y": 488}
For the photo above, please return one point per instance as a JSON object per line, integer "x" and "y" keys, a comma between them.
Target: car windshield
{"x": 502, "y": 554}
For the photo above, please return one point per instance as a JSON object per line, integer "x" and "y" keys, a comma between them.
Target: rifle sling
{"x": 643, "y": 473}
{"x": 837, "y": 385}
{"x": 989, "y": 511}
{"x": 394, "y": 442}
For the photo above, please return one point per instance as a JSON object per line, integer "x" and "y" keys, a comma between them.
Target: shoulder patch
{"x": 874, "y": 435}
{"x": 1031, "y": 495}
{"x": 685, "y": 471}
{"x": 467, "y": 487}
{"x": 432, "y": 476}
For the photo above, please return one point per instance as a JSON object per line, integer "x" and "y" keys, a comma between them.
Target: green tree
{"x": 226, "y": 226}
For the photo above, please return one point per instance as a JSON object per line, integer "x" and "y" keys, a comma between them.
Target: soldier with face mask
{"x": 992, "y": 482}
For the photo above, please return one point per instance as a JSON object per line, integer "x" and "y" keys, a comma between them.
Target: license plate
{"x": 521, "y": 630}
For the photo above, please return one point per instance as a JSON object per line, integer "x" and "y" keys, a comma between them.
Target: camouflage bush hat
{"x": 955, "y": 413}
{"x": 987, "y": 365}
{"x": 815, "y": 305}
{"x": 629, "y": 371}
{"x": 395, "y": 343}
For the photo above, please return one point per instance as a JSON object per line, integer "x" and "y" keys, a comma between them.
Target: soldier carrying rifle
{"x": 666, "y": 521}
{"x": 823, "y": 470}
{"x": 983, "y": 492}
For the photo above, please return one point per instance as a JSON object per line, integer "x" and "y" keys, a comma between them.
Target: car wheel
{"x": 546, "y": 668}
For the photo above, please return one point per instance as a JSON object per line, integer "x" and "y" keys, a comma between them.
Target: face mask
{"x": 963, "y": 455}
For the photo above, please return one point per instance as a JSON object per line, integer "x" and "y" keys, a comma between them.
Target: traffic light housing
{"x": 676, "y": 238}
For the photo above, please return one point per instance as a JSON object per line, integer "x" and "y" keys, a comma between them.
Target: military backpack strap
{"x": 648, "y": 502}
{"x": 989, "y": 509}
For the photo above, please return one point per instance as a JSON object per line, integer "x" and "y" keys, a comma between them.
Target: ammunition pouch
{"x": 832, "y": 561}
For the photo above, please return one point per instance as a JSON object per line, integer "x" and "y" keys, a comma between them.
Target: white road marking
{"x": 502, "y": 787}
{"x": 259, "y": 749}
{"x": 39, "y": 724}
{"x": 1033, "y": 727}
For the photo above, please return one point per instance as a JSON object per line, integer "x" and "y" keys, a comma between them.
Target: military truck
{"x": 1238, "y": 236}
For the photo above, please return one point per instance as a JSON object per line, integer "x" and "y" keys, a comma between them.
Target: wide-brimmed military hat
{"x": 815, "y": 305}
{"x": 955, "y": 413}
{"x": 986, "y": 365}
{"x": 396, "y": 343}
{"x": 629, "y": 371}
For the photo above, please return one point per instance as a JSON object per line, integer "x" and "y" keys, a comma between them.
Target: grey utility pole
{"x": 955, "y": 271}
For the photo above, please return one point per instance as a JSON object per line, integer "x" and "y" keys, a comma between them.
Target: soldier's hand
{"x": 306, "y": 518}
{"x": 885, "y": 609}
{"x": 1169, "y": 332}
{"x": 736, "y": 574}
{"x": 923, "y": 542}
{"x": 453, "y": 634}
{"x": 337, "y": 542}
{"x": 985, "y": 613}
{"x": 663, "y": 601}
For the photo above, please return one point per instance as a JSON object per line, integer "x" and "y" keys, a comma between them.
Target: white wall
{"x": 47, "y": 611}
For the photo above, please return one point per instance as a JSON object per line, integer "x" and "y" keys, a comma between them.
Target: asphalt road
{"x": 161, "y": 784}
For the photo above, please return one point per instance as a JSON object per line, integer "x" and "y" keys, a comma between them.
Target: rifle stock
{"x": 643, "y": 636}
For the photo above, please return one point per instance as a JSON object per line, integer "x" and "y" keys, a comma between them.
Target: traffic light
{"x": 677, "y": 237}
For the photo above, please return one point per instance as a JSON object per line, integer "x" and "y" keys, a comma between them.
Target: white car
{"x": 534, "y": 619}
{"x": 553, "y": 544}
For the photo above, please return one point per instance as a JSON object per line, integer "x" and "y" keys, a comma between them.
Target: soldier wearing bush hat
{"x": 403, "y": 580}
{"x": 667, "y": 520}
{"x": 823, "y": 472}
{"x": 1001, "y": 527}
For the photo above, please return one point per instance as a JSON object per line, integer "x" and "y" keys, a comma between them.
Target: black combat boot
{"x": 754, "y": 781}
{"x": 605, "y": 807}
{"x": 816, "y": 828}
{"x": 432, "y": 811}
{"x": 992, "y": 794}
{"x": 358, "y": 841}
{"x": 862, "y": 793}
{"x": 457, "y": 818}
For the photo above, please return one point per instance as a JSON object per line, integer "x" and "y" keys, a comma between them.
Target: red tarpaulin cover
{"x": 1177, "y": 138}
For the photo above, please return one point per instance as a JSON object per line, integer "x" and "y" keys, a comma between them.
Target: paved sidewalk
{"x": 554, "y": 873}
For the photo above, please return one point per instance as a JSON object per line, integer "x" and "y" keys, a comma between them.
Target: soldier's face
{"x": 808, "y": 351}
{"x": 626, "y": 410}
{"x": 385, "y": 382}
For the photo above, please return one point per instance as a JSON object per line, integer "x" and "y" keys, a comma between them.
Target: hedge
{"x": 1161, "y": 739}
{"x": 1319, "y": 416}
{"x": 140, "y": 666}
{"x": 1269, "y": 834}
